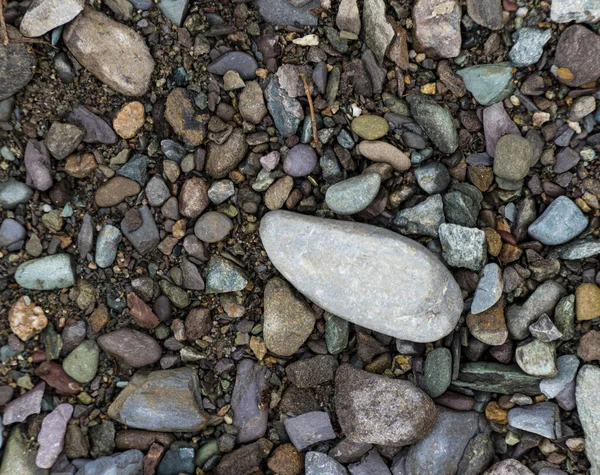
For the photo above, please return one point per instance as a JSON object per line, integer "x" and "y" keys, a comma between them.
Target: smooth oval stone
{"x": 370, "y": 276}
{"x": 46, "y": 273}
{"x": 238, "y": 61}
{"x": 437, "y": 373}
{"x": 384, "y": 152}
{"x": 354, "y": 194}
{"x": 300, "y": 160}
{"x": 370, "y": 127}
{"x": 107, "y": 245}
{"x": 134, "y": 348}
{"x": 82, "y": 363}
{"x": 13, "y": 193}
{"x": 212, "y": 227}
{"x": 559, "y": 223}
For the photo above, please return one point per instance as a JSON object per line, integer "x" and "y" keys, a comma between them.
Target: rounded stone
{"x": 559, "y": 223}
{"x": 370, "y": 127}
{"x": 354, "y": 194}
{"x": 107, "y": 244}
{"x": 212, "y": 227}
{"x": 513, "y": 157}
{"x": 587, "y": 302}
{"x": 115, "y": 190}
{"x": 82, "y": 363}
{"x": 46, "y": 273}
{"x": 134, "y": 348}
{"x": 300, "y": 160}
{"x": 26, "y": 319}
{"x": 129, "y": 119}
{"x": 193, "y": 198}
{"x": 437, "y": 373}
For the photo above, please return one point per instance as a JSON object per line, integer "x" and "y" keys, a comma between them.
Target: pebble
{"x": 248, "y": 417}
{"x": 582, "y": 107}
{"x": 107, "y": 244}
{"x": 286, "y": 111}
{"x": 567, "y": 370}
{"x": 277, "y": 194}
{"x": 487, "y": 13}
{"x": 212, "y": 227}
{"x": 382, "y": 152}
{"x": 245, "y": 460}
{"x": 96, "y": 129}
{"x": 252, "y": 103}
{"x": 18, "y": 457}
{"x": 224, "y": 158}
{"x": 167, "y": 401}
{"x": 542, "y": 418}
{"x": 577, "y": 65}
{"x": 423, "y": 219}
{"x": 437, "y": 372}
{"x": 17, "y": 65}
{"x": 432, "y": 177}
{"x": 238, "y": 61}
{"x": 489, "y": 83}
{"x": 378, "y": 32}
{"x": 186, "y": 121}
{"x": 580, "y": 11}
{"x": 496, "y": 123}
{"x": 510, "y": 467}
{"x": 286, "y": 460}
{"x": 288, "y": 321}
{"x": 111, "y": 51}
{"x": 311, "y": 372}
{"x": 309, "y": 429}
{"x": 12, "y": 234}
{"x": 453, "y": 431}
{"x": 178, "y": 459}
{"x": 370, "y": 127}
{"x": 222, "y": 276}
{"x": 588, "y": 398}
{"x": 559, "y": 223}
{"x": 221, "y": 191}
{"x": 317, "y": 463}
{"x": 45, "y": 15}
{"x": 537, "y": 358}
{"x": 435, "y": 120}
{"x": 82, "y": 363}
{"x": 587, "y": 301}
{"x": 336, "y": 248}
{"x": 129, "y": 119}
{"x": 437, "y": 28}
{"x": 176, "y": 295}
{"x": 157, "y": 191}
{"x": 489, "y": 289}
{"x": 129, "y": 462}
{"x": 354, "y": 194}
{"x": 300, "y": 160}
{"x": 37, "y": 164}
{"x": 379, "y": 410}
{"x": 144, "y": 238}
{"x": 63, "y": 139}
{"x": 497, "y": 378}
{"x": 529, "y": 47}
{"x": 372, "y": 464}
{"x": 282, "y": 12}
{"x": 193, "y": 197}
{"x": 80, "y": 166}
{"x": 13, "y": 193}
{"x": 348, "y": 17}
{"x": 542, "y": 300}
{"x": 52, "y": 434}
{"x": 115, "y": 190}
{"x": 46, "y": 273}
{"x": 134, "y": 348}
{"x": 463, "y": 247}
{"x": 174, "y": 10}
{"x": 22, "y": 407}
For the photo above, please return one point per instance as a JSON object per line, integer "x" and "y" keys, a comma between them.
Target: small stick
{"x": 33, "y": 40}
{"x": 315, "y": 143}
{"x": 3, "y": 32}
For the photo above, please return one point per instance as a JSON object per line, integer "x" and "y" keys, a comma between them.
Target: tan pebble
{"x": 26, "y": 319}
{"x": 384, "y": 152}
{"x": 129, "y": 119}
{"x": 587, "y": 302}
{"x": 115, "y": 190}
{"x": 80, "y": 166}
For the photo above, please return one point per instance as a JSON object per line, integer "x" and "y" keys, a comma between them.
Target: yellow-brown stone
{"x": 80, "y": 166}
{"x": 494, "y": 241}
{"x": 129, "y": 119}
{"x": 494, "y": 413}
{"x": 587, "y": 302}
{"x": 489, "y": 326}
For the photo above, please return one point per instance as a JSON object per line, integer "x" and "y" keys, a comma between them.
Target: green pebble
{"x": 82, "y": 363}
{"x": 206, "y": 451}
{"x": 437, "y": 373}
{"x": 336, "y": 333}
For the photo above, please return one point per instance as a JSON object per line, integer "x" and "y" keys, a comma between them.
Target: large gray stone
{"x": 174, "y": 10}
{"x": 559, "y": 223}
{"x": 145, "y": 238}
{"x": 47, "y": 273}
{"x": 18, "y": 457}
{"x": 567, "y": 369}
{"x": 367, "y": 275}
{"x": 542, "y": 418}
{"x": 129, "y": 462}
{"x": 45, "y": 15}
{"x": 580, "y": 11}
{"x": 282, "y": 12}
{"x": 529, "y": 46}
{"x": 317, "y": 463}
{"x": 14, "y": 193}
{"x": 309, "y": 428}
{"x": 378, "y": 32}
{"x": 588, "y": 407}
{"x": 168, "y": 401}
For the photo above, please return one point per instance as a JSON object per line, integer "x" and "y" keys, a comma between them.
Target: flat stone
{"x": 453, "y": 431}
{"x": 577, "y": 56}
{"x": 559, "y": 223}
{"x": 252, "y": 103}
{"x": 248, "y": 417}
{"x": 372, "y": 464}
{"x": 567, "y": 370}
{"x": 18, "y": 457}
{"x": 176, "y": 295}
{"x": 383, "y": 152}
{"x": 63, "y": 139}
{"x": 587, "y": 301}
{"x": 437, "y": 372}
{"x": 497, "y": 378}
{"x": 489, "y": 83}
{"x": 51, "y": 436}
{"x": 166, "y": 401}
{"x": 82, "y": 363}
{"x": 489, "y": 326}
{"x": 380, "y": 410}
{"x": 12, "y": 234}
{"x": 282, "y": 12}
{"x": 463, "y": 247}
{"x": 246, "y": 459}
{"x": 348, "y": 17}
{"x": 434, "y": 119}
{"x": 224, "y": 158}
{"x": 423, "y": 219}
{"x": 13, "y": 193}
{"x": 311, "y": 372}
{"x": 487, "y": 13}
{"x": 509, "y": 467}
{"x": 222, "y": 275}
{"x": 134, "y": 348}
{"x": 286, "y": 111}
{"x": 489, "y": 288}
{"x": 96, "y": 129}
{"x": 174, "y": 10}
{"x": 17, "y": 64}
{"x": 318, "y": 463}
{"x": 124, "y": 463}
{"x": 38, "y": 166}
{"x": 288, "y": 321}
{"x": 543, "y": 300}
{"x": 513, "y": 157}
{"x": 46, "y": 273}
{"x": 354, "y": 194}
{"x": 309, "y": 429}
{"x": 544, "y": 330}
{"x": 212, "y": 227}
{"x": 278, "y": 193}
{"x": 437, "y": 28}
{"x": 331, "y": 249}
{"x": 107, "y": 244}
{"x": 193, "y": 197}
{"x": 111, "y": 51}
{"x": 579, "y": 11}
{"x": 378, "y": 32}
{"x": 529, "y": 47}
{"x": 45, "y": 15}
{"x": 542, "y": 418}
{"x": 497, "y": 123}
{"x": 186, "y": 120}
{"x": 588, "y": 399}
{"x": 22, "y": 407}
{"x": 238, "y": 61}
{"x": 537, "y": 358}
{"x": 370, "y": 127}
{"x": 145, "y": 238}
{"x": 115, "y": 190}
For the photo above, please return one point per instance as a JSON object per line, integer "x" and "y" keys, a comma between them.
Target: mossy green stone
{"x": 82, "y": 363}
{"x": 437, "y": 374}
{"x": 206, "y": 451}
{"x": 370, "y": 127}
{"x": 336, "y": 333}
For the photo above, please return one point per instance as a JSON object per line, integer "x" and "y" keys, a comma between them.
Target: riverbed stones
{"x": 309, "y": 428}
{"x": 529, "y": 46}
{"x": 45, "y": 15}
{"x": 166, "y": 401}
{"x": 129, "y": 462}
{"x": 348, "y": 17}
{"x": 370, "y": 127}
{"x": 378, "y": 32}
{"x": 489, "y": 288}
{"x": 487, "y": 13}
{"x": 497, "y": 378}
{"x": 379, "y": 410}
{"x": 239, "y": 61}
{"x": 300, "y": 161}
{"x": 286, "y": 111}
{"x": 282, "y": 12}
{"x": 354, "y": 194}
{"x": 462, "y": 246}
{"x": 111, "y": 51}
{"x": 437, "y": 28}
{"x": 96, "y": 129}
{"x": 562, "y": 221}
{"x": 437, "y": 372}
{"x": 513, "y": 157}
{"x": 144, "y": 238}
{"x": 248, "y": 416}
{"x": 542, "y": 418}
{"x": 193, "y": 197}
{"x": 224, "y": 158}
{"x": 63, "y": 139}
{"x": 22, "y": 407}
{"x": 512, "y": 467}
{"x": 288, "y": 321}
{"x": 537, "y": 358}
{"x": 576, "y": 56}
{"x": 132, "y": 347}
{"x": 13, "y": 193}
{"x": 18, "y": 457}
{"x": 17, "y": 63}
{"x": 182, "y": 115}
{"x": 567, "y": 370}
{"x": 222, "y": 276}
{"x": 115, "y": 190}
{"x": 588, "y": 404}
{"x": 82, "y": 363}
{"x": 318, "y": 463}
{"x": 435, "y": 120}
{"x": 489, "y": 83}
{"x": 107, "y": 244}
{"x": 212, "y": 227}
{"x": 46, "y": 273}
{"x": 383, "y": 152}
{"x": 423, "y": 219}
{"x": 252, "y": 103}
{"x": 313, "y": 253}
{"x": 580, "y": 11}
{"x": 38, "y": 166}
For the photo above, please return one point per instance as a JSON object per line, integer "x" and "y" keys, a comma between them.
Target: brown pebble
{"x": 129, "y": 119}
{"x": 142, "y": 439}
{"x": 55, "y": 376}
{"x": 286, "y": 461}
{"x": 115, "y": 190}
{"x": 99, "y": 318}
{"x": 278, "y": 192}
{"x": 80, "y": 166}
{"x": 589, "y": 346}
{"x": 587, "y": 302}
{"x": 141, "y": 312}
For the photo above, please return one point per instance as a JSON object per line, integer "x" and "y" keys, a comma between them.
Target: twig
{"x": 33, "y": 40}
{"x": 3, "y": 32}
{"x": 315, "y": 143}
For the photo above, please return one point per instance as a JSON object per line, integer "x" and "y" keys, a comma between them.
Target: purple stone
{"x": 52, "y": 435}
{"x": 565, "y": 160}
{"x": 309, "y": 429}
{"x": 238, "y": 61}
{"x": 12, "y": 234}
{"x": 300, "y": 160}
{"x": 37, "y": 164}
{"x": 19, "y": 409}
{"x": 247, "y": 417}
{"x": 97, "y": 129}
{"x": 496, "y": 123}
{"x": 270, "y": 160}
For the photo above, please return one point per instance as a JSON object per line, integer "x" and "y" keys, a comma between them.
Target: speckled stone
{"x": 107, "y": 244}
{"x": 47, "y": 273}
{"x": 559, "y": 223}
{"x": 300, "y": 160}
{"x": 222, "y": 275}
{"x": 354, "y": 194}
{"x": 489, "y": 83}
{"x": 588, "y": 404}
{"x": 435, "y": 120}
{"x": 437, "y": 372}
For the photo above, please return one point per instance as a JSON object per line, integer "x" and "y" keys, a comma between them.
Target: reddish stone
{"x": 141, "y": 312}
{"x": 153, "y": 458}
{"x": 55, "y": 376}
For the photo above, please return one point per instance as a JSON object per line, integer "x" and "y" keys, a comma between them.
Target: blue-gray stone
{"x": 559, "y": 223}
{"x": 542, "y": 418}
{"x": 129, "y": 462}
{"x": 489, "y": 288}
{"x": 178, "y": 459}
{"x": 248, "y": 417}
{"x": 372, "y": 464}
{"x": 107, "y": 244}
{"x": 463, "y": 247}
{"x": 489, "y": 83}
{"x": 435, "y": 120}
{"x": 282, "y": 12}
{"x": 544, "y": 329}
{"x": 142, "y": 4}
{"x": 497, "y": 378}
{"x": 588, "y": 408}
{"x": 238, "y": 61}
{"x": 578, "y": 249}
{"x": 317, "y": 463}
{"x": 47, "y": 273}
{"x": 135, "y": 169}
{"x": 174, "y": 10}
{"x": 529, "y": 46}
{"x": 12, "y": 234}
{"x": 432, "y": 177}
{"x": 354, "y": 194}
{"x": 146, "y": 237}
{"x": 223, "y": 275}
{"x": 437, "y": 372}
{"x": 580, "y": 11}
{"x": 18, "y": 458}
{"x": 423, "y": 219}
{"x": 567, "y": 370}
{"x": 286, "y": 111}
{"x": 308, "y": 429}
{"x": 462, "y": 204}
